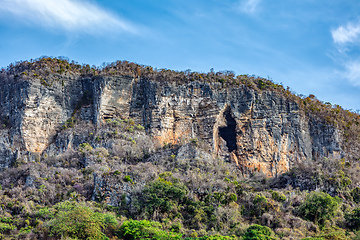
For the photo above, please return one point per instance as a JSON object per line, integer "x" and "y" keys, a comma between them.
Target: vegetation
{"x": 117, "y": 183}
{"x": 319, "y": 207}
{"x": 258, "y": 232}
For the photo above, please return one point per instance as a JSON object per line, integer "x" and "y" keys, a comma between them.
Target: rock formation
{"x": 256, "y": 130}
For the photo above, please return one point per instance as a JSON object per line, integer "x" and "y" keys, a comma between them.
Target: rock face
{"x": 256, "y": 130}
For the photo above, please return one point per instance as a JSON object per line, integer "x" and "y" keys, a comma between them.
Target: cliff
{"x": 200, "y": 153}
{"x": 258, "y": 129}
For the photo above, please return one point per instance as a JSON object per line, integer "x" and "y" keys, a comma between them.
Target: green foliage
{"x": 258, "y": 232}
{"x": 224, "y": 198}
{"x": 194, "y": 141}
{"x": 330, "y": 233}
{"x": 333, "y": 233}
{"x": 25, "y": 230}
{"x": 6, "y": 220}
{"x": 278, "y": 196}
{"x": 214, "y": 237}
{"x": 80, "y": 222}
{"x": 70, "y": 123}
{"x": 161, "y": 195}
{"x": 6, "y": 227}
{"x": 132, "y": 230}
{"x": 44, "y": 82}
{"x": 128, "y": 179}
{"x": 259, "y": 206}
{"x": 46, "y": 212}
{"x": 318, "y": 207}
{"x": 85, "y": 147}
{"x": 139, "y": 127}
{"x": 313, "y": 238}
{"x": 209, "y": 198}
{"x": 355, "y": 193}
{"x": 353, "y": 218}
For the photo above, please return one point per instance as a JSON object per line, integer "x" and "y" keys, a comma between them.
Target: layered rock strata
{"x": 256, "y": 130}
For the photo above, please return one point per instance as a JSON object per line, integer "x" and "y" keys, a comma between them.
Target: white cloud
{"x": 68, "y": 15}
{"x": 347, "y": 34}
{"x": 353, "y": 72}
{"x": 249, "y": 6}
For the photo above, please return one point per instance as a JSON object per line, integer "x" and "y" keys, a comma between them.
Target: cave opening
{"x": 228, "y": 132}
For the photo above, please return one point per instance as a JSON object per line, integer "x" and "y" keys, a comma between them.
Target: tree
{"x": 133, "y": 230}
{"x": 353, "y": 219}
{"x": 162, "y": 196}
{"x": 258, "y": 232}
{"x": 81, "y": 222}
{"x": 318, "y": 207}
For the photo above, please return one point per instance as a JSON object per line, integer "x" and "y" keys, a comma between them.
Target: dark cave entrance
{"x": 228, "y": 133}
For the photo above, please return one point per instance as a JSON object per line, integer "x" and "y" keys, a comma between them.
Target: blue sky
{"x": 313, "y": 46}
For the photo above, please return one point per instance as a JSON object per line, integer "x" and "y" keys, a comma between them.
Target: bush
{"x": 278, "y": 196}
{"x": 260, "y": 205}
{"x": 258, "y": 232}
{"x": 81, "y": 222}
{"x": 5, "y": 227}
{"x": 128, "y": 179}
{"x": 318, "y": 207}
{"x": 355, "y": 193}
{"x": 330, "y": 233}
{"x": 215, "y": 237}
{"x": 139, "y": 127}
{"x": 85, "y": 147}
{"x": 132, "y": 230}
{"x": 353, "y": 219}
{"x": 162, "y": 195}
{"x": 70, "y": 123}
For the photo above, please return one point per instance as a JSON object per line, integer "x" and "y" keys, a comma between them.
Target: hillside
{"x": 193, "y": 154}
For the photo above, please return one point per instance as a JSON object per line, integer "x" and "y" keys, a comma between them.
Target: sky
{"x": 312, "y": 46}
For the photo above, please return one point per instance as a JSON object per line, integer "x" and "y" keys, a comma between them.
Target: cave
{"x": 228, "y": 132}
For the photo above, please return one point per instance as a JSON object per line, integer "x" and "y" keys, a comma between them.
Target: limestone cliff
{"x": 258, "y": 130}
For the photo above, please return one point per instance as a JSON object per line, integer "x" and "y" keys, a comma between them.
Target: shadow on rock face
{"x": 228, "y": 133}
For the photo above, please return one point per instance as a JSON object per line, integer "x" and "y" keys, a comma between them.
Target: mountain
{"x": 112, "y": 131}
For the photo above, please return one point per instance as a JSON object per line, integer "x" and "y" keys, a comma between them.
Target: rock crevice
{"x": 257, "y": 130}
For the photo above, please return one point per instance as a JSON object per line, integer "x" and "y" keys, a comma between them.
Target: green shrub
{"x": 260, "y": 205}
{"x": 258, "y": 232}
{"x": 313, "y": 238}
{"x": 162, "y": 195}
{"x": 353, "y": 218}
{"x": 355, "y": 193}
{"x": 318, "y": 207}
{"x": 331, "y": 233}
{"x": 5, "y": 227}
{"x": 139, "y": 127}
{"x": 215, "y": 237}
{"x": 70, "y": 123}
{"x": 132, "y": 230}
{"x": 84, "y": 147}
{"x": 128, "y": 179}
{"x": 81, "y": 223}
{"x": 278, "y": 196}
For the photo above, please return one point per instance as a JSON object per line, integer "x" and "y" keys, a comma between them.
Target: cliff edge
{"x": 252, "y": 122}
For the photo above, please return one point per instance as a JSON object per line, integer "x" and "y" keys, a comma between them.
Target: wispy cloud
{"x": 346, "y": 39}
{"x": 353, "y": 72}
{"x": 346, "y": 34}
{"x": 69, "y": 15}
{"x": 249, "y": 6}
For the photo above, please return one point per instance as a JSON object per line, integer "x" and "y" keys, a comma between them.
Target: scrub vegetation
{"x": 168, "y": 197}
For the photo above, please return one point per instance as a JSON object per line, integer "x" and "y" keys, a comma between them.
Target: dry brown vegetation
{"x": 206, "y": 196}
